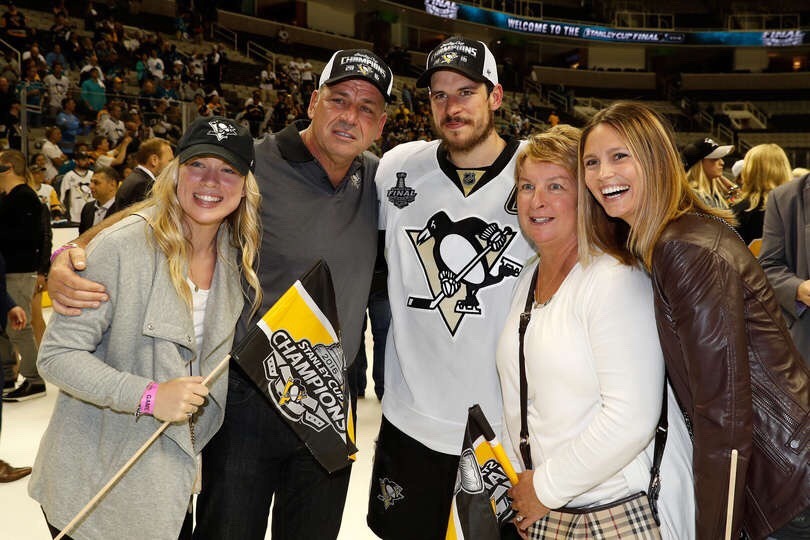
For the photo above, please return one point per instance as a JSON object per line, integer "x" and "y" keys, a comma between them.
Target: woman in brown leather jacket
{"x": 737, "y": 375}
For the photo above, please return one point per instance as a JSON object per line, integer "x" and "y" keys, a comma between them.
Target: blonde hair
{"x": 666, "y": 191}
{"x": 557, "y": 145}
{"x": 707, "y": 188}
{"x": 169, "y": 231}
{"x": 766, "y": 166}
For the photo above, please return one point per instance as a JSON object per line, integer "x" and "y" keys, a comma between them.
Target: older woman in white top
{"x": 594, "y": 366}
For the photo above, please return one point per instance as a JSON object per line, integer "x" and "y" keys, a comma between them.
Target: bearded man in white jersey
{"x": 447, "y": 209}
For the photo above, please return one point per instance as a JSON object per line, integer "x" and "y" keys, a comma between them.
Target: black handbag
{"x": 525, "y": 451}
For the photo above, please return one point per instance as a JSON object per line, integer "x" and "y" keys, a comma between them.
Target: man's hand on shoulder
{"x": 69, "y": 292}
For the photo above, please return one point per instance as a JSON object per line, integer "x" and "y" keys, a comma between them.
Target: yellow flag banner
{"x": 295, "y": 357}
{"x": 480, "y": 502}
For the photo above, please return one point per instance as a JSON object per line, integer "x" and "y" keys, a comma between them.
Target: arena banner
{"x": 480, "y": 503}
{"x": 295, "y": 357}
{"x": 771, "y": 38}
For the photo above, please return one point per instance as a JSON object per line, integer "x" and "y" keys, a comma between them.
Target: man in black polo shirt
{"x": 319, "y": 202}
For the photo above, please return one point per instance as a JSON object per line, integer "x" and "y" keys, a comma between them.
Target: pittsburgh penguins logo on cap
{"x": 221, "y": 130}
{"x": 447, "y": 58}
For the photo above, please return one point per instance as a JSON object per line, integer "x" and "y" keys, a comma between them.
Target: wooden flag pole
{"x": 732, "y": 482}
{"x": 125, "y": 468}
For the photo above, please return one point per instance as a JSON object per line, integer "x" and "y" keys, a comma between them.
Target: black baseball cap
{"x": 220, "y": 137}
{"x": 703, "y": 149}
{"x": 358, "y": 64}
{"x": 471, "y": 58}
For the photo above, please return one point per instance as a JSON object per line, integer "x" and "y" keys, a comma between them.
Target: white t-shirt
{"x": 105, "y": 159}
{"x": 440, "y": 353}
{"x": 199, "y": 300}
{"x": 47, "y": 194}
{"x": 57, "y": 89}
{"x": 51, "y": 151}
{"x": 112, "y": 129}
{"x": 595, "y": 375}
{"x": 78, "y": 186}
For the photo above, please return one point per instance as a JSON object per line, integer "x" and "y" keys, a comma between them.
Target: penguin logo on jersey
{"x": 460, "y": 258}
{"x": 390, "y": 493}
{"x": 401, "y": 195}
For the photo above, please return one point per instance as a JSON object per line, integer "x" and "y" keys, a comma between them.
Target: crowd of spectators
{"x": 104, "y": 81}
{"x": 99, "y": 85}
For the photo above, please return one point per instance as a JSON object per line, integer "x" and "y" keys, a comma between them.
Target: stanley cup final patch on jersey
{"x": 459, "y": 259}
{"x": 401, "y": 195}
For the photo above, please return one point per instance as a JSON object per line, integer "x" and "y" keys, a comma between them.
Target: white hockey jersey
{"x": 453, "y": 249}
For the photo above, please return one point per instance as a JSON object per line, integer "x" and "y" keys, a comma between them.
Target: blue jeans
{"x": 379, "y": 310}
{"x": 256, "y": 458}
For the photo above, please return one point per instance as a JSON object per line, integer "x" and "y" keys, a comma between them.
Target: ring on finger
{"x": 519, "y": 518}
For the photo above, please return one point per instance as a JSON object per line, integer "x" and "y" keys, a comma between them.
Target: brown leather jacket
{"x": 737, "y": 375}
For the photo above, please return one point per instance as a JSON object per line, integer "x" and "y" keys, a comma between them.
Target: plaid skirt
{"x": 631, "y": 517}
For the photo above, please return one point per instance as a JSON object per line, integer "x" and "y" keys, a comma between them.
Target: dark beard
{"x": 474, "y": 141}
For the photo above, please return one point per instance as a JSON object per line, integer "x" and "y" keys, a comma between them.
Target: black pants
{"x": 256, "y": 459}
{"x": 411, "y": 488}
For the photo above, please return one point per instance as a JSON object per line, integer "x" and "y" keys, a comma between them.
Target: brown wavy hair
{"x": 667, "y": 194}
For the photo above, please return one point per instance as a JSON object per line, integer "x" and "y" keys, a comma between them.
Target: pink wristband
{"x": 148, "y": 398}
{"x": 60, "y": 249}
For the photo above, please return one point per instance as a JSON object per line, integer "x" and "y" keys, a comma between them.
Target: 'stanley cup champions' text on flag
{"x": 295, "y": 357}
{"x": 480, "y": 502}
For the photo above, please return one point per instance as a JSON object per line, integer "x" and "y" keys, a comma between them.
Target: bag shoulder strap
{"x": 660, "y": 431}
{"x": 525, "y": 317}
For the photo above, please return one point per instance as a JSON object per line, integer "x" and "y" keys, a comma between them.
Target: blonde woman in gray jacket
{"x": 172, "y": 271}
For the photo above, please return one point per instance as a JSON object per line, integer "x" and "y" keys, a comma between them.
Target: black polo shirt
{"x": 305, "y": 218}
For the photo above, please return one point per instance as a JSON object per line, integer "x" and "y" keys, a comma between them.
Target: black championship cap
{"x": 219, "y": 137}
{"x": 703, "y": 149}
{"x": 471, "y": 58}
{"x": 358, "y": 64}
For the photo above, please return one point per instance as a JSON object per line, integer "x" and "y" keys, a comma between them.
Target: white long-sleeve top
{"x": 595, "y": 376}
